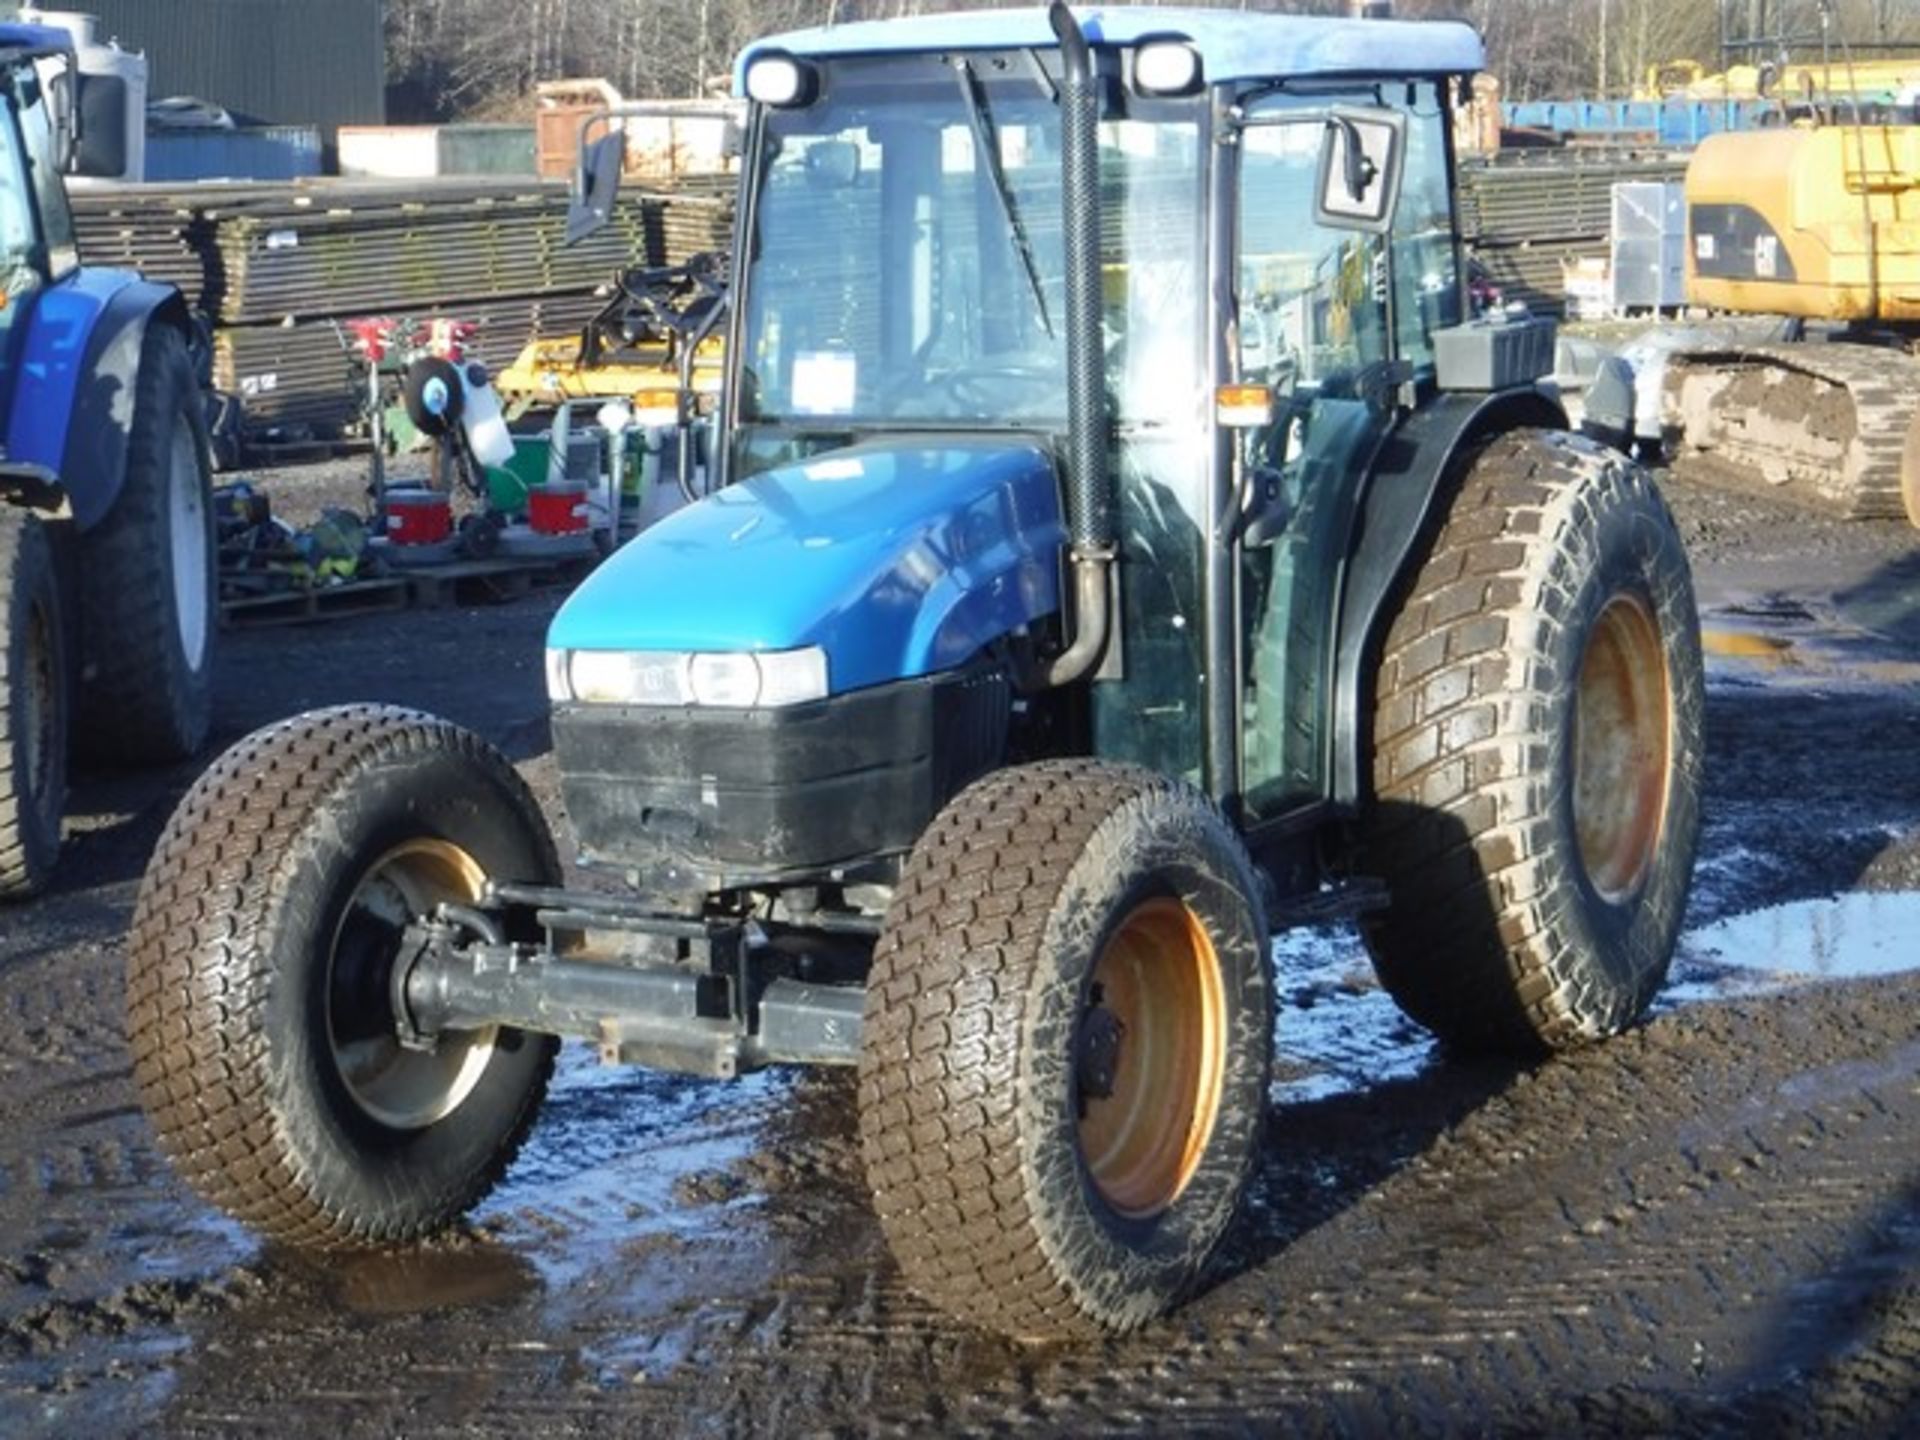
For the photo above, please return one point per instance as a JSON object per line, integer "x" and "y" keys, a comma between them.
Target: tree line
{"x": 459, "y": 59}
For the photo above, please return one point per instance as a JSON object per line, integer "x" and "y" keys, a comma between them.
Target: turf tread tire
{"x": 973, "y": 1197}
{"x": 202, "y": 978}
{"x": 1494, "y": 939}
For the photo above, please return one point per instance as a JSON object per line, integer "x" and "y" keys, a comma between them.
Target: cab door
{"x": 1336, "y": 324}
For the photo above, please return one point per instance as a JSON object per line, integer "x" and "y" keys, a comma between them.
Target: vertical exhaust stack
{"x": 1090, "y": 523}
{"x": 1370, "y": 9}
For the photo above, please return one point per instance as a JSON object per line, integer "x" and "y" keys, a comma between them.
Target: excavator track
{"x": 1823, "y": 423}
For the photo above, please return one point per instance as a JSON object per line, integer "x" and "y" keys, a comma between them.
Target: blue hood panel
{"x": 899, "y": 559}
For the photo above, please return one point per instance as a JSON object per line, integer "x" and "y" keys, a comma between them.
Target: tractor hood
{"x": 898, "y": 559}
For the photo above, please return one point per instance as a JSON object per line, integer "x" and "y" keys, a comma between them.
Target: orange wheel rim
{"x": 1622, "y": 746}
{"x": 1151, "y": 1058}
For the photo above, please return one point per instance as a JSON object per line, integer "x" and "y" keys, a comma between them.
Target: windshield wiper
{"x": 988, "y": 146}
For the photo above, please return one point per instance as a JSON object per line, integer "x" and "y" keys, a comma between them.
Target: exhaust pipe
{"x": 1089, "y": 489}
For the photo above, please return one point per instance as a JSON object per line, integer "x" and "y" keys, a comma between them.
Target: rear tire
{"x": 149, "y": 584}
{"x": 33, "y": 706}
{"x": 1068, "y": 1039}
{"x": 259, "y": 978}
{"x": 1536, "y": 755}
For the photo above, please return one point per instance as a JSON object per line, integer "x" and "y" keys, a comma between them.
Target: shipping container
{"x": 269, "y": 152}
{"x": 487, "y": 150}
{"x": 422, "y": 152}
{"x": 389, "y": 152}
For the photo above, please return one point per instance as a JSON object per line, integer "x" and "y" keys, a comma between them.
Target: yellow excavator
{"x": 1816, "y": 219}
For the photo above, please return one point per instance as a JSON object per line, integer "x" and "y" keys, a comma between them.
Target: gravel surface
{"x": 1709, "y": 1226}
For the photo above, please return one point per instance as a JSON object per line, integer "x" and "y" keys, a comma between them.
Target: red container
{"x": 557, "y": 509}
{"x": 418, "y": 517}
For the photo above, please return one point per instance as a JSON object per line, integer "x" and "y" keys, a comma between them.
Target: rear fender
{"x": 1416, "y": 471}
{"x": 73, "y": 405}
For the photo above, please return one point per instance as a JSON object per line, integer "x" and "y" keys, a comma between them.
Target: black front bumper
{"x": 713, "y": 799}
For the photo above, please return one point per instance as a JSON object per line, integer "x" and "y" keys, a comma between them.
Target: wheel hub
{"x": 398, "y": 1086}
{"x": 1100, "y": 1036}
{"x": 1150, "y": 1058}
{"x": 187, "y": 545}
{"x": 1622, "y": 748}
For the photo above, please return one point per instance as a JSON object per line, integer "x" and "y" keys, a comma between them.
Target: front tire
{"x": 33, "y": 706}
{"x": 259, "y": 986}
{"x": 1537, "y": 752}
{"x": 1068, "y": 1039}
{"x": 149, "y": 585}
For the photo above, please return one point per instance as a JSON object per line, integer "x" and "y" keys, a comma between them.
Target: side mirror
{"x": 99, "y": 149}
{"x": 833, "y": 164}
{"x": 596, "y": 185}
{"x": 1362, "y": 161}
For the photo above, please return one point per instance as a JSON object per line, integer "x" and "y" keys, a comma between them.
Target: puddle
{"x": 616, "y": 1156}
{"x": 411, "y": 1282}
{"x": 1336, "y": 1032}
{"x": 1845, "y": 937}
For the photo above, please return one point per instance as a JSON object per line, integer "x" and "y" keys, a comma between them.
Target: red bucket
{"x": 418, "y": 518}
{"x": 557, "y": 509}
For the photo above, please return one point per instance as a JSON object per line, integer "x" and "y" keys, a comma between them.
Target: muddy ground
{"x": 1709, "y": 1226}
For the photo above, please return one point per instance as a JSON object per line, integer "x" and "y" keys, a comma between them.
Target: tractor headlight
{"x": 730, "y": 680}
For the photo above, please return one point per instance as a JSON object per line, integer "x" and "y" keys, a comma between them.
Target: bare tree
{"x": 453, "y": 58}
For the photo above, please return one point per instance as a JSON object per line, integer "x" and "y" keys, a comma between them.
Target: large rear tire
{"x": 149, "y": 584}
{"x": 259, "y": 994}
{"x": 1068, "y": 1039}
{"x": 33, "y": 706}
{"x": 1536, "y": 754}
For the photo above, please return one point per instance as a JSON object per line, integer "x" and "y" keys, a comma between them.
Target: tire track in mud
{"x": 1656, "y": 1235}
{"x": 1662, "y": 1244}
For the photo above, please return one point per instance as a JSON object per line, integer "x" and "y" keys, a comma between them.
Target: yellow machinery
{"x": 656, "y": 347}
{"x": 1820, "y": 223}
{"x": 1867, "y": 79}
{"x": 646, "y": 376}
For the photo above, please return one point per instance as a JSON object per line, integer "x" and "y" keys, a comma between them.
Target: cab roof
{"x": 36, "y": 39}
{"x": 1233, "y": 45}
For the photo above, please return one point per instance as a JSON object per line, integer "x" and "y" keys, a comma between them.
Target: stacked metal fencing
{"x": 278, "y": 269}
{"x": 1531, "y": 214}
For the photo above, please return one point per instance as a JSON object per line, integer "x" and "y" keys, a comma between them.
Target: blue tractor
{"x": 1123, "y": 545}
{"x": 106, "y": 525}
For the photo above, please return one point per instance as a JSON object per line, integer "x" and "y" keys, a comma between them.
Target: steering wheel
{"x": 993, "y": 389}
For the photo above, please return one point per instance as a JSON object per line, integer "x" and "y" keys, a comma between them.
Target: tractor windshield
{"x": 906, "y": 265}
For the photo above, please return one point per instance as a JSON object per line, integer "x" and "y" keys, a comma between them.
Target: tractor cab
{"x": 1270, "y": 248}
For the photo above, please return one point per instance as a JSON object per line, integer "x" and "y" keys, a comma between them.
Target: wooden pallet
{"x": 461, "y": 582}
{"x": 489, "y": 582}
{"x": 325, "y": 602}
